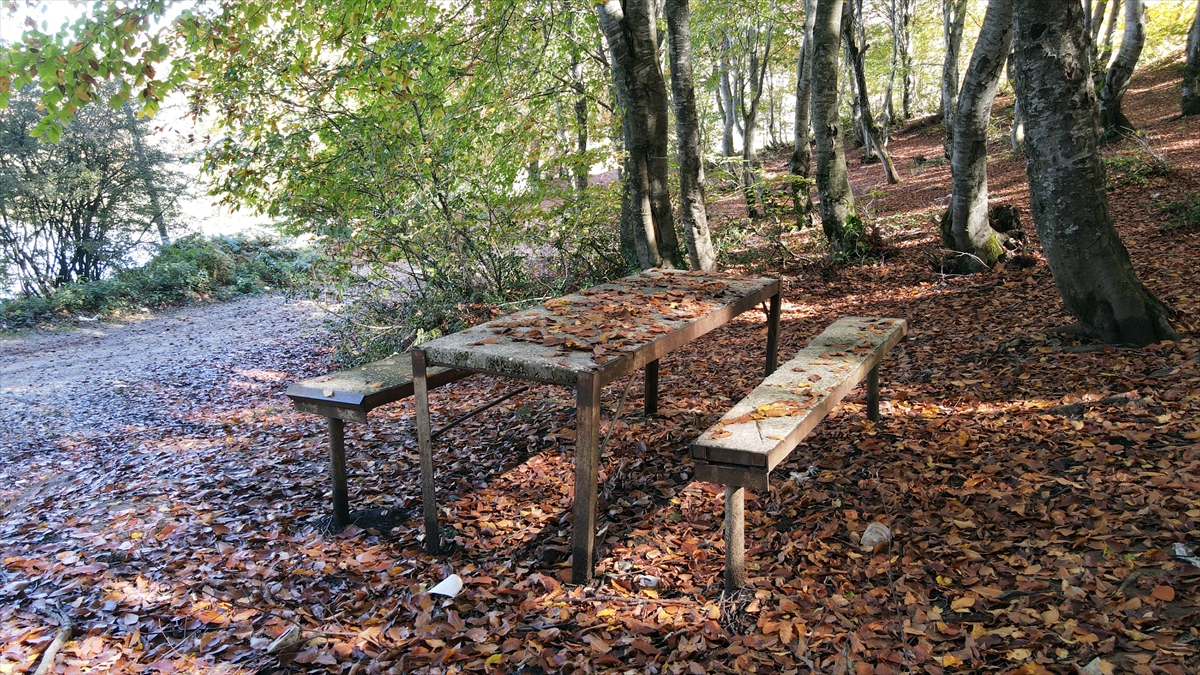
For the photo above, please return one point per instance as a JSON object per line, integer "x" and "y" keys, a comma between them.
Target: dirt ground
{"x": 76, "y": 383}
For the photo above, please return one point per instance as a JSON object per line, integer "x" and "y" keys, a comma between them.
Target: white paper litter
{"x": 449, "y": 587}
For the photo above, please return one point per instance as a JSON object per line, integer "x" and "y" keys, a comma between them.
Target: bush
{"x": 192, "y": 268}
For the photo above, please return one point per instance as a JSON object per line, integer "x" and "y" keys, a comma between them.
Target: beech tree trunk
{"x": 833, "y": 180}
{"x": 1017, "y": 137}
{"x": 1121, "y": 69}
{"x": 954, "y": 15}
{"x": 904, "y": 37}
{"x": 1191, "y": 72}
{"x": 725, "y": 103}
{"x": 755, "y": 76}
{"x": 1091, "y": 266}
{"x": 800, "y": 164}
{"x": 968, "y": 166}
{"x": 1100, "y": 65}
{"x": 628, "y": 26}
{"x": 692, "y": 215}
{"x": 856, "y": 54}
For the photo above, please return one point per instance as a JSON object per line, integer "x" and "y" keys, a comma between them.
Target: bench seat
{"x": 347, "y": 396}
{"x": 761, "y": 430}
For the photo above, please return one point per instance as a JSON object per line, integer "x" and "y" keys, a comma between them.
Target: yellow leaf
{"x": 1019, "y": 654}
{"x": 950, "y": 660}
{"x": 494, "y": 660}
{"x": 965, "y": 602}
{"x": 135, "y": 535}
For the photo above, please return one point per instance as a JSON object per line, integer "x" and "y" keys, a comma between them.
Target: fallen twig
{"x": 636, "y": 601}
{"x": 64, "y": 634}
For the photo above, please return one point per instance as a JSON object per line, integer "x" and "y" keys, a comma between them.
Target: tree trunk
{"x": 906, "y": 56}
{"x": 1191, "y": 72}
{"x": 580, "y": 166}
{"x": 1100, "y": 65}
{"x": 1096, "y": 20}
{"x": 143, "y": 167}
{"x": 833, "y": 180}
{"x": 954, "y": 14}
{"x": 801, "y": 161}
{"x": 1091, "y": 266}
{"x": 1121, "y": 70}
{"x": 692, "y": 215}
{"x": 725, "y": 101}
{"x": 968, "y": 167}
{"x": 874, "y": 136}
{"x": 1017, "y": 137}
{"x": 755, "y": 77}
{"x": 629, "y": 29}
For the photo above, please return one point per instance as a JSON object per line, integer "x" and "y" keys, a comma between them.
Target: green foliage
{"x": 192, "y": 268}
{"x": 74, "y": 210}
{"x": 859, "y": 242}
{"x": 1136, "y": 168}
{"x": 1184, "y": 214}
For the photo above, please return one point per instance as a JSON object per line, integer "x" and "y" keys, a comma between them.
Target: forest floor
{"x": 1041, "y": 489}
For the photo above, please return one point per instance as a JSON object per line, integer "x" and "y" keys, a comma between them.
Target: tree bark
{"x": 954, "y": 14}
{"x": 968, "y": 166}
{"x": 755, "y": 77}
{"x": 1017, "y": 137}
{"x": 873, "y": 135}
{"x": 1100, "y": 65}
{"x": 1191, "y": 71}
{"x": 692, "y": 215}
{"x": 800, "y": 164}
{"x": 725, "y": 103}
{"x": 1121, "y": 70}
{"x": 1091, "y": 266}
{"x": 906, "y": 56}
{"x": 628, "y": 26}
{"x": 833, "y": 180}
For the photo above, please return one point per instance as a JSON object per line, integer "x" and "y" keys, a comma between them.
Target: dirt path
{"x": 80, "y": 382}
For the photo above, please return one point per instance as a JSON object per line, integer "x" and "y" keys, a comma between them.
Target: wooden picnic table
{"x": 587, "y": 341}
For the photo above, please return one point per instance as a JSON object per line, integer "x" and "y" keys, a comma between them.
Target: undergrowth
{"x": 190, "y": 269}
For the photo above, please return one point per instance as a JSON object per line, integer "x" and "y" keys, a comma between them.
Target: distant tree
{"x": 800, "y": 164}
{"x": 1191, "y": 72}
{"x": 642, "y": 94}
{"x": 970, "y": 231}
{"x": 73, "y": 210}
{"x": 1120, "y": 71}
{"x": 833, "y": 178}
{"x": 692, "y": 214}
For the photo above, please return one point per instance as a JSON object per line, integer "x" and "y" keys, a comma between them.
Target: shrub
{"x": 192, "y": 268}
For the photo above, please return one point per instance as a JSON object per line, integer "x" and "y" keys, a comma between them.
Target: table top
{"x": 610, "y": 329}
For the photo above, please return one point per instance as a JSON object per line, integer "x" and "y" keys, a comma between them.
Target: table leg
{"x": 425, "y": 446}
{"x": 337, "y": 465}
{"x": 735, "y": 537}
{"x": 587, "y": 460}
{"x": 773, "y": 332}
{"x": 652, "y": 388}
{"x": 873, "y": 394}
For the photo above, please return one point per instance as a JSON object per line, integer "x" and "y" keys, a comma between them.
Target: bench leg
{"x": 873, "y": 394}
{"x": 652, "y": 388}
{"x": 337, "y": 465}
{"x": 735, "y": 537}
{"x": 773, "y": 332}
{"x": 587, "y": 461}
{"x": 433, "y": 542}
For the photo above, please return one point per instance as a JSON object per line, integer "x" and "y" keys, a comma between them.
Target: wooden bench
{"x": 761, "y": 430}
{"x": 347, "y": 396}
